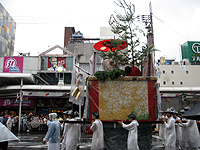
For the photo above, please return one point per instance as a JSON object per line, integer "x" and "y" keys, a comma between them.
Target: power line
{"x": 170, "y": 27}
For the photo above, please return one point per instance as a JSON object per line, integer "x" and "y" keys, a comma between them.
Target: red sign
{"x": 13, "y": 65}
{"x": 14, "y": 103}
{"x": 54, "y": 62}
{"x": 106, "y": 45}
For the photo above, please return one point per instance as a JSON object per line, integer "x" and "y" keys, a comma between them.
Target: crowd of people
{"x": 28, "y": 122}
{"x": 178, "y": 132}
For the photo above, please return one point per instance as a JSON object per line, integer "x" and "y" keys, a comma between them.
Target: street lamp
{"x": 61, "y": 80}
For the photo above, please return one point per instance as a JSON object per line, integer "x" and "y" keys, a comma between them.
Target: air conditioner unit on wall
{"x": 162, "y": 60}
{"x": 175, "y": 63}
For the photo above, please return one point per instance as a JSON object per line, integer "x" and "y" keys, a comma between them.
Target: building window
{"x": 181, "y": 83}
{"x": 172, "y": 83}
{"x": 164, "y": 82}
{"x": 69, "y": 63}
{"x": 163, "y": 71}
{"x": 186, "y": 72}
{"x": 172, "y": 72}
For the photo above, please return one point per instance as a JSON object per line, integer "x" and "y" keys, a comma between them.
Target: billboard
{"x": 13, "y": 65}
{"x": 15, "y": 103}
{"x": 54, "y": 62}
{"x": 191, "y": 50}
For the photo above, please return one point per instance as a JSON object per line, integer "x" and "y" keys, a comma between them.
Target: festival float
{"x": 115, "y": 96}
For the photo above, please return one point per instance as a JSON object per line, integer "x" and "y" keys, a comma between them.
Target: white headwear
{"x": 53, "y": 115}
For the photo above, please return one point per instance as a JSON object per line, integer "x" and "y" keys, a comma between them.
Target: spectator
{"x": 5, "y": 119}
{"x": 41, "y": 124}
{"x": 24, "y": 123}
{"x": 1, "y": 118}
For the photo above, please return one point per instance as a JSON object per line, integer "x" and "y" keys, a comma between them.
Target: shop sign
{"x": 191, "y": 51}
{"x": 54, "y": 62}
{"x": 13, "y": 65}
{"x": 14, "y": 103}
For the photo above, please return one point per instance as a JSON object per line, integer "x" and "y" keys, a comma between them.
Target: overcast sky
{"x": 41, "y": 23}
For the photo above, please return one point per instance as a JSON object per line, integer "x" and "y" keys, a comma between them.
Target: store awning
{"x": 179, "y": 89}
{"x": 51, "y": 90}
{"x": 37, "y": 87}
{"x": 15, "y": 78}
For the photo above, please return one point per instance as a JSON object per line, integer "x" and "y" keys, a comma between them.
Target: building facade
{"x": 43, "y": 82}
{"x": 179, "y": 85}
{"x": 7, "y": 33}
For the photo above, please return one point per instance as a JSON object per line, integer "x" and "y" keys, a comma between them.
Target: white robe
{"x": 162, "y": 130}
{"x": 53, "y": 146}
{"x": 79, "y": 130}
{"x": 185, "y": 137}
{"x": 71, "y": 136}
{"x": 170, "y": 134}
{"x": 9, "y": 123}
{"x": 178, "y": 134}
{"x": 193, "y": 133}
{"x": 98, "y": 135}
{"x": 132, "y": 143}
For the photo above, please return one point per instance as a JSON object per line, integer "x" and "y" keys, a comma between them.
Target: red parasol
{"x": 105, "y": 46}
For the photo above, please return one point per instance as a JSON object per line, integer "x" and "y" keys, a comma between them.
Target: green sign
{"x": 191, "y": 50}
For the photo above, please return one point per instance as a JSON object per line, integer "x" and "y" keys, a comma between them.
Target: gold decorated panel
{"x": 117, "y": 99}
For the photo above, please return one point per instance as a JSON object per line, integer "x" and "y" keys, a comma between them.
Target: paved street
{"x": 33, "y": 141}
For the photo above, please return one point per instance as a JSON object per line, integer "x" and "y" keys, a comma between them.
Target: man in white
{"x": 132, "y": 141}
{"x": 161, "y": 127}
{"x": 178, "y": 129}
{"x": 170, "y": 142}
{"x": 98, "y": 135}
{"x": 70, "y": 134}
{"x": 9, "y": 123}
{"x": 78, "y": 127}
{"x": 192, "y": 133}
{"x": 184, "y": 130}
{"x": 53, "y": 133}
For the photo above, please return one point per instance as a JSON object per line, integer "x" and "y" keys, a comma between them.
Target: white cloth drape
{"x": 97, "y": 138}
{"x": 132, "y": 142}
{"x": 170, "y": 142}
{"x": 71, "y": 136}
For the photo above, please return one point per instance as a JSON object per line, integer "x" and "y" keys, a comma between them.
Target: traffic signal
{"x": 183, "y": 98}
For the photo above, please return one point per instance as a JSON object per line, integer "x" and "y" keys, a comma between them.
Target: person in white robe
{"x": 170, "y": 142}
{"x": 70, "y": 134}
{"x": 193, "y": 139}
{"x": 9, "y": 123}
{"x": 78, "y": 127}
{"x": 53, "y": 134}
{"x": 132, "y": 141}
{"x": 161, "y": 127}
{"x": 184, "y": 130}
{"x": 98, "y": 134}
{"x": 178, "y": 129}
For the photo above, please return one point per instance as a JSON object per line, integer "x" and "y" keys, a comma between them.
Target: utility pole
{"x": 20, "y": 105}
{"x": 150, "y": 42}
{"x": 149, "y": 66}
